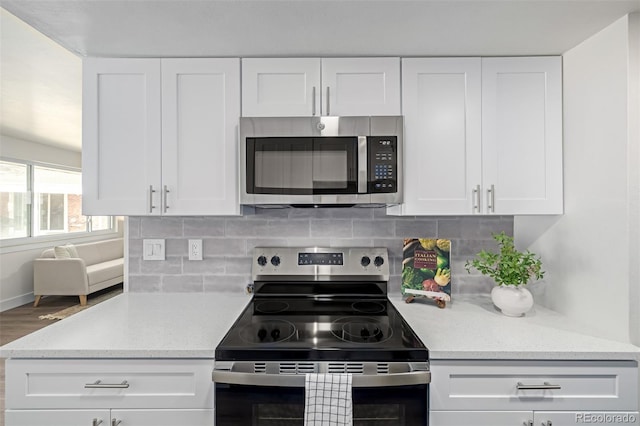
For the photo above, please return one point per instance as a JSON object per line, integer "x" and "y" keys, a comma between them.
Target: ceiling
{"x": 41, "y": 79}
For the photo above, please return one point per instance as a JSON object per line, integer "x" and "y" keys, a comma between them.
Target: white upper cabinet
{"x": 120, "y": 136}
{"x": 522, "y": 135}
{"x": 273, "y": 87}
{"x": 482, "y": 136}
{"x": 280, "y": 87}
{"x": 159, "y": 136}
{"x": 200, "y": 111}
{"x": 442, "y": 149}
{"x": 361, "y": 86}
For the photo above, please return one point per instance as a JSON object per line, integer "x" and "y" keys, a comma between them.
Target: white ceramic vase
{"x": 511, "y": 300}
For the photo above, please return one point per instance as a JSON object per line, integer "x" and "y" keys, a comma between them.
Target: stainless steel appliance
{"x": 320, "y": 310}
{"x": 320, "y": 161}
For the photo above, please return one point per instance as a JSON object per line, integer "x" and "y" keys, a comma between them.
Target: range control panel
{"x": 320, "y": 261}
{"x": 383, "y": 163}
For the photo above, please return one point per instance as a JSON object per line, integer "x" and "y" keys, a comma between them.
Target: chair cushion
{"x": 105, "y": 271}
{"x": 61, "y": 252}
{"x": 73, "y": 252}
{"x": 65, "y": 252}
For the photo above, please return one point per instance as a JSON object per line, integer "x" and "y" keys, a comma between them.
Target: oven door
{"x": 374, "y": 404}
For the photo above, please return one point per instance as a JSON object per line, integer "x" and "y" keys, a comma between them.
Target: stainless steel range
{"x": 320, "y": 310}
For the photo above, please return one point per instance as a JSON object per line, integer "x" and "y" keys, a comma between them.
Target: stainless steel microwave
{"x": 321, "y": 161}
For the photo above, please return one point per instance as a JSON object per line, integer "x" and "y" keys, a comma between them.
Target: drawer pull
{"x": 115, "y": 422}
{"x": 548, "y": 423}
{"x": 528, "y": 423}
{"x": 96, "y": 422}
{"x": 545, "y": 386}
{"x": 99, "y": 385}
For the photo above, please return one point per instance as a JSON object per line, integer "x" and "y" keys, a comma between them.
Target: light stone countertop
{"x": 137, "y": 325}
{"x": 190, "y": 325}
{"x": 472, "y": 328}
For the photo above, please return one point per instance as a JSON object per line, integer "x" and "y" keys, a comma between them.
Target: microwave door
{"x": 335, "y": 165}
{"x": 281, "y": 165}
{"x": 363, "y": 162}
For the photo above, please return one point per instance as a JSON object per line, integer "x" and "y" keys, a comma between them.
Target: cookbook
{"x": 426, "y": 271}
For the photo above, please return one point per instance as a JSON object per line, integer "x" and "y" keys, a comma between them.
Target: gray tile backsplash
{"x": 228, "y": 244}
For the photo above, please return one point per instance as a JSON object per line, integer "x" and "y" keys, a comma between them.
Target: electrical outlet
{"x": 195, "y": 249}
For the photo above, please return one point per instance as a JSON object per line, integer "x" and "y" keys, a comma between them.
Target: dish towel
{"x": 328, "y": 400}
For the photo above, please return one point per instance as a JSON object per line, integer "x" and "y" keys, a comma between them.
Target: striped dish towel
{"x": 328, "y": 400}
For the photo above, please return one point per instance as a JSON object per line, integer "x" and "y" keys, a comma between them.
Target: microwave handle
{"x": 362, "y": 164}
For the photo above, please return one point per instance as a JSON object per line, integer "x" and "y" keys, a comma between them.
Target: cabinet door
{"x": 280, "y": 87}
{"x": 57, "y": 417}
{"x": 164, "y": 417}
{"x": 121, "y": 136}
{"x": 200, "y": 111}
{"x": 595, "y": 418}
{"x": 480, "y": 418}
{"x": 442, "y": 147}
{"x": 522, "y": 135}
{"x": 361, "y": 86}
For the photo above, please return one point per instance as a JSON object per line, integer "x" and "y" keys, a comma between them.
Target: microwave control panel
{"x": 383, "y": 164}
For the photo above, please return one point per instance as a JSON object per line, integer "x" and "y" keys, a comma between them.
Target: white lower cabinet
{"x": 109, "y": 392}
{"x": 57, "y": 417}
{"x": 110, "y": 417}
{"x": 532, "y": 418}
{"x": 533, "y": 393}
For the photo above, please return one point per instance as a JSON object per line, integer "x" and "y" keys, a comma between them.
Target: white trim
{"x": 45, "y": 241}
{"x": 14, "y": 302}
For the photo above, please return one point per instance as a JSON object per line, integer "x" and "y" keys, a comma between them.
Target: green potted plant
{"x": 511, "y": 270}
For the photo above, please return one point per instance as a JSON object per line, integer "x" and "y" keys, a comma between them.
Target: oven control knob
{"x": 378, "y": 261}
{"x": 365, "y": 261}
{"x": 275, "y": 260}
{"x": 262, "y": 260}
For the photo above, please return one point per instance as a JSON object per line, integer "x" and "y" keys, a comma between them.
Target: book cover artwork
{"x": 425, "y": 270}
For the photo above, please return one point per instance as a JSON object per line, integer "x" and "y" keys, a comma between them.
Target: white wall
{"x": 591, "y": 252}
{"x": 634, "y": 177}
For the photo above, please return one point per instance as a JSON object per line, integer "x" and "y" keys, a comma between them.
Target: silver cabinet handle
{"x": 548, "y": 423}
{"x": 165, "y": 192}
{"x": 476, "y": 196}
{"x": 99, "y": 385}
{"x": 328, "y": 111}
{"x": 544, "y": 386}
{"x": 313, "y": 100}
{"x": 491, "y": 198}
{"x": 115, "y": 422}
{"x": 96, "y": 422}
{"x": 151, "y": 192}
{"x": 528, "y": 423}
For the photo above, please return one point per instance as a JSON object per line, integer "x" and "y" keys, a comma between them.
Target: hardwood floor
{"x": 23, "y": 320}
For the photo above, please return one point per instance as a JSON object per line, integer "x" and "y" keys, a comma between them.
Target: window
{"x": 37, "y": 200}
{"x": 14, "y": 200}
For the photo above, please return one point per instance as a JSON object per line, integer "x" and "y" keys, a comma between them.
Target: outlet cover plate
{"x": 153, "y": 249}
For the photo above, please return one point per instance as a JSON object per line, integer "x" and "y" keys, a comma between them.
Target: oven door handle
{"x": 298, "y": 380}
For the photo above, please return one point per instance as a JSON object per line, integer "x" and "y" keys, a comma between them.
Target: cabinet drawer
{"x": 115, "y": 383}
{"x": 534, "y": 385}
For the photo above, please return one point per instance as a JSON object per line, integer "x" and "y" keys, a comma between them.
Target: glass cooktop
{"x": 339, "y": 328}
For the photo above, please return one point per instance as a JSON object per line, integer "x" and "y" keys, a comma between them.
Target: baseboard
{"x": 14, "y": 302}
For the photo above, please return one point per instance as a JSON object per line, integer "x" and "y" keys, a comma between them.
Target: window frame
{"x": 32, "y": 237}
